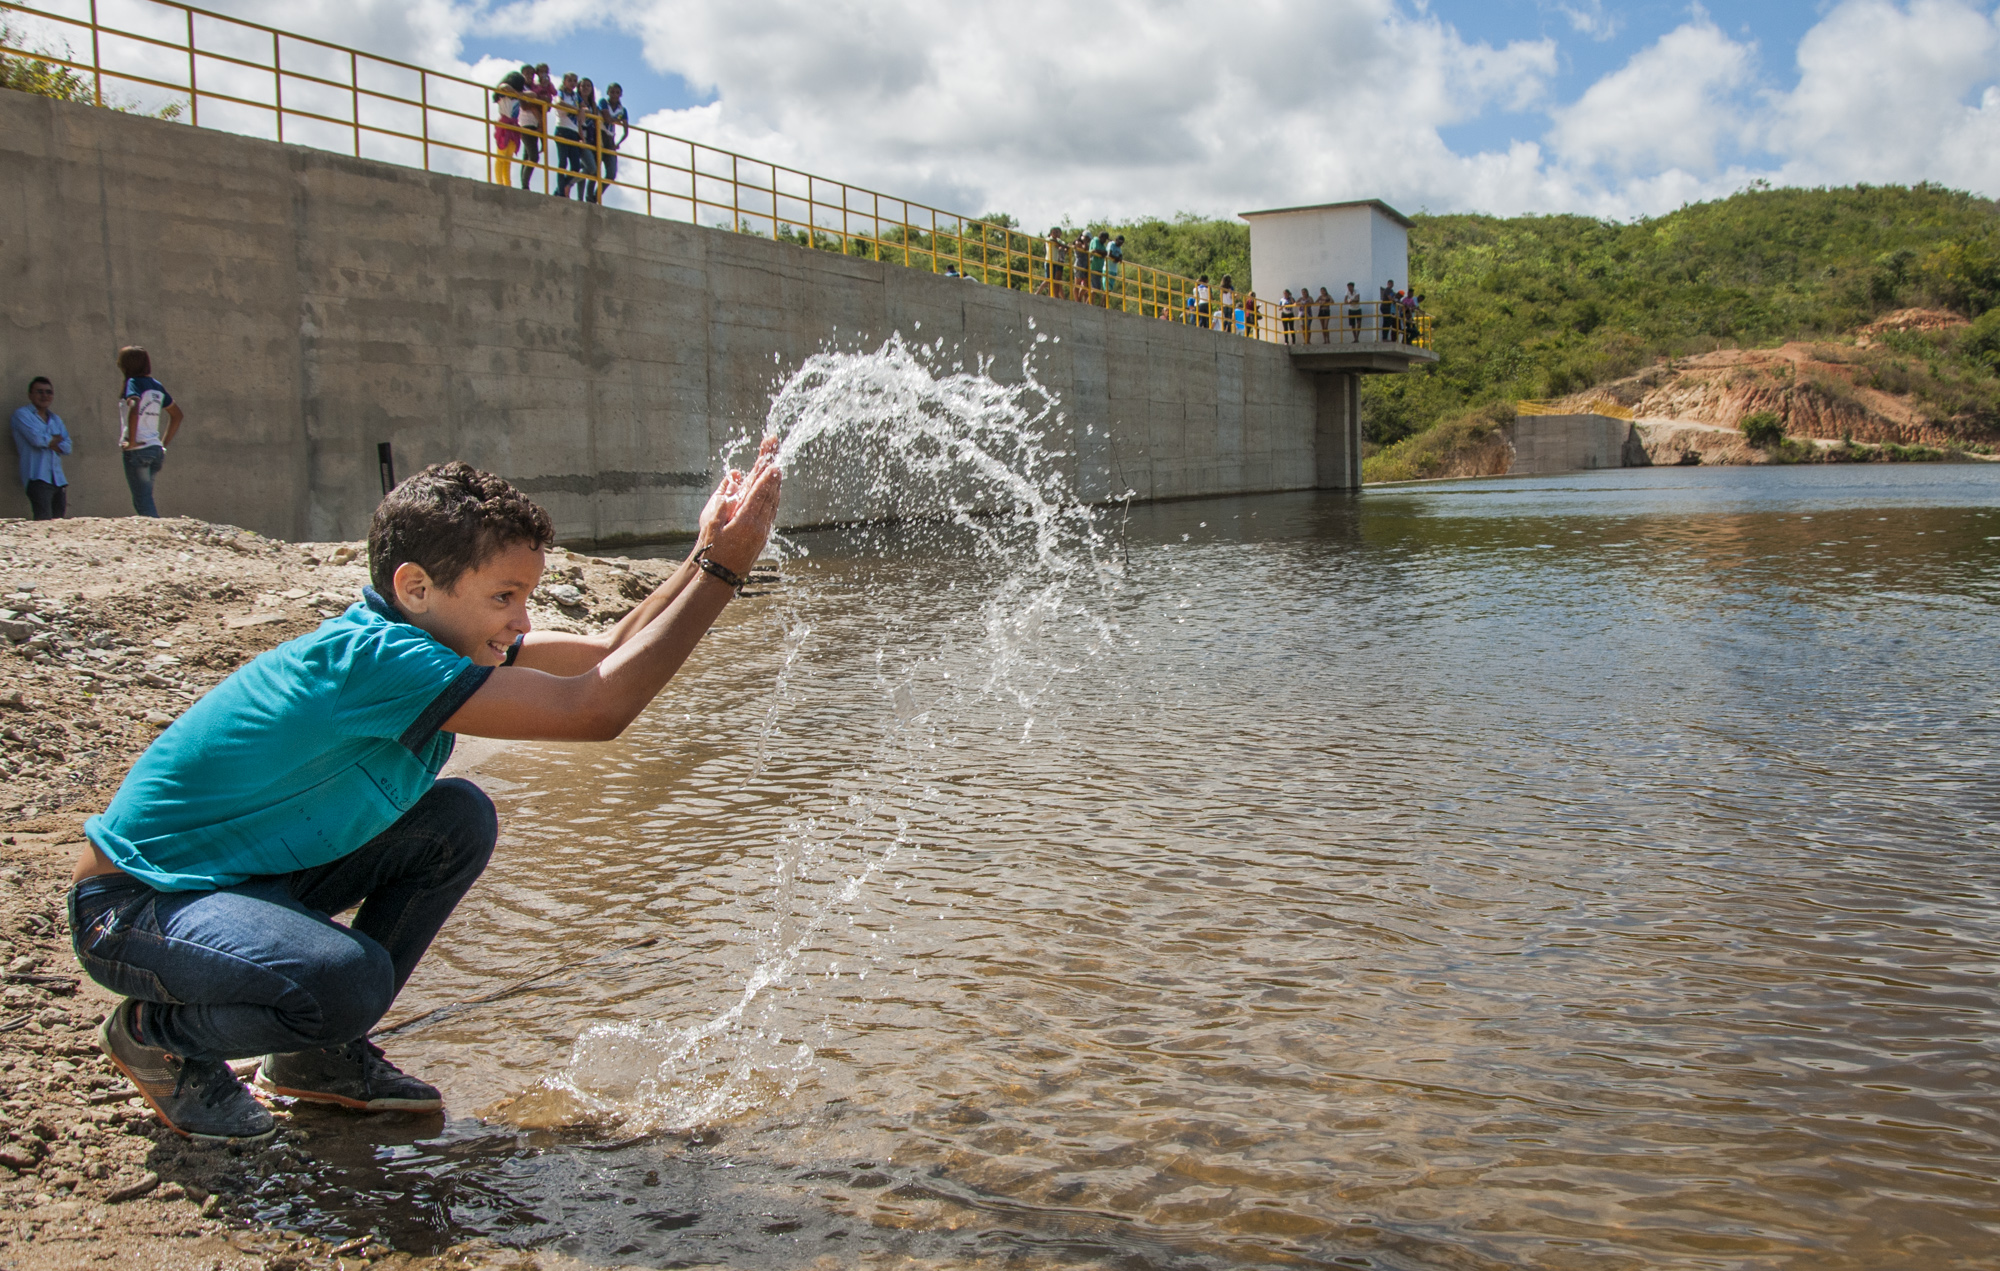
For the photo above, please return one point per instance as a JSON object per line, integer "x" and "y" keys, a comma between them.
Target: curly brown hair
{"x": 450, "y": 518}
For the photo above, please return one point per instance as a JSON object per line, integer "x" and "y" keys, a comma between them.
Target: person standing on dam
{"x": 587, "y": 120}
{"x": 569, "y": 151}
{"x": 506, "y": 126}
{"x": 617, "y": 126}
{"x": 306, "y": 784}
{"x": 534, "y": 119}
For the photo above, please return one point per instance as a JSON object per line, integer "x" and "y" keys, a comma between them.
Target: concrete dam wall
{"x": 1548, "y": 444}
{"x": 304, "y": 306}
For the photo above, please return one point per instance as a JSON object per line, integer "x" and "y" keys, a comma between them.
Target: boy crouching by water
{"x": 306, "y": 784}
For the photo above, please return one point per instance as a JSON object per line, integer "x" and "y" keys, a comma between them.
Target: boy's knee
{"x": 471, "y": 825}
{"x": 349, "y": 992}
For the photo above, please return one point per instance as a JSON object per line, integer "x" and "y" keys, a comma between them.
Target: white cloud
{"x": 1051, "y": 109}
{"x": 1884, "y": 94}
{"x": 423, "y": 32}
{"x": 1669, "y": 107}
{"x": 1589, "y": 18}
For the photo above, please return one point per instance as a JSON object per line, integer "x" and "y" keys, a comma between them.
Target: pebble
{"x": 158, "y": 719}
{"x": 132, "y": 1191}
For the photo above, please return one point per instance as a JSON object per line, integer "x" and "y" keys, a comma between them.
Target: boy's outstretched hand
{"x": 737, "y": 521}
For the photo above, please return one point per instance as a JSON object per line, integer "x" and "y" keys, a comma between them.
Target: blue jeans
{"x": 261, "y": 967}
{"x": 569, "y": 158}
{"x": 141, "y": 466}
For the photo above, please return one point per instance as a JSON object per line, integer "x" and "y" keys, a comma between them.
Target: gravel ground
{"x": 108, "y": 630}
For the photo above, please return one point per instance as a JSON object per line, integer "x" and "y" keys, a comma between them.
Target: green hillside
{"x": 1539, "y": 306}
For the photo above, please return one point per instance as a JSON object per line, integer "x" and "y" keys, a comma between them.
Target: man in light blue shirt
{"x": 41, "y": 441}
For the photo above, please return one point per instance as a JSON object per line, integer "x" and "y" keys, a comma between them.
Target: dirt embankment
{"x": 1820, "y": 390}
{"x": 108, "y": 630}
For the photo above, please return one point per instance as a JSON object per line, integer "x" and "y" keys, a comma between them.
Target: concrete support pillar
{"x": 1337, "y": 430}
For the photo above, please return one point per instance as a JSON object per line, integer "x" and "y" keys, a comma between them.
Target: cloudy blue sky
{"x": 1071, "y": 109}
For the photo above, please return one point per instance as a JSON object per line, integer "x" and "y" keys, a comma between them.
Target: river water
{"x": 1593, "y": 871}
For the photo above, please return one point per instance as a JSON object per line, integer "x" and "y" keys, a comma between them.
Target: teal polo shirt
{"x": 300, "y": 757}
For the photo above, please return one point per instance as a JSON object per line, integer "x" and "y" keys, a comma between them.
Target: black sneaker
{"x": 353, "y": 1076}
{"x": 197, "y": 1098}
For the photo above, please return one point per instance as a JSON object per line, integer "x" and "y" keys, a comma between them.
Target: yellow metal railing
{"x": 1572, "y": 406}
{"x": 244, "y": 77}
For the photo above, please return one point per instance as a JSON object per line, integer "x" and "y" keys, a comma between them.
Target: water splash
{"x": 962, "y": 464}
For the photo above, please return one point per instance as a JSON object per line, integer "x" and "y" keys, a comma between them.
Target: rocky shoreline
{"x": 108, "y": 630}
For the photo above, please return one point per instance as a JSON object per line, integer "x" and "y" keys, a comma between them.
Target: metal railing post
{"x": 354, "y": 83}
{"x": 278, "y": 81}
{"x": 96, "y": 58}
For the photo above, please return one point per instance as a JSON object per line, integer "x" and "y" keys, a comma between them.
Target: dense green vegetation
{"x": 1540, "y": 306}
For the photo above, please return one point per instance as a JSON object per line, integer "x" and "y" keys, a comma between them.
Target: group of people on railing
{"x": 1088, "y": 269}
{"x": 1393, "y": 317}
{"x": 539, "y": 120}
{"x": 1218, "y": 309}
{"x": 1396, "y": 317}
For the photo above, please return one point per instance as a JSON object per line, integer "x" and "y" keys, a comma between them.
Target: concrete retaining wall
{"x": 303, "y": 306}
{"x": 1545, "y": 444}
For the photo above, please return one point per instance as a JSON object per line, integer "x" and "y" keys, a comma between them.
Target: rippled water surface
{"x": 1576, "y": 872}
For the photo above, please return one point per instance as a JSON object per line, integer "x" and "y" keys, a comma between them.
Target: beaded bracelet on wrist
{"x": 716, "y": 569}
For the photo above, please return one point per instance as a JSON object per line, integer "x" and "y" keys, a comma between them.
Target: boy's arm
{"x": 173, "y": 425}
{"x": 521, "y": 703}
{"x": 130, "y": 411}
{"x": 62, "y": 443}
{"x": 560, "y": 653}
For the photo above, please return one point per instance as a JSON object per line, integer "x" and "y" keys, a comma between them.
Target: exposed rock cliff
{"x": 1864, "y": 391}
